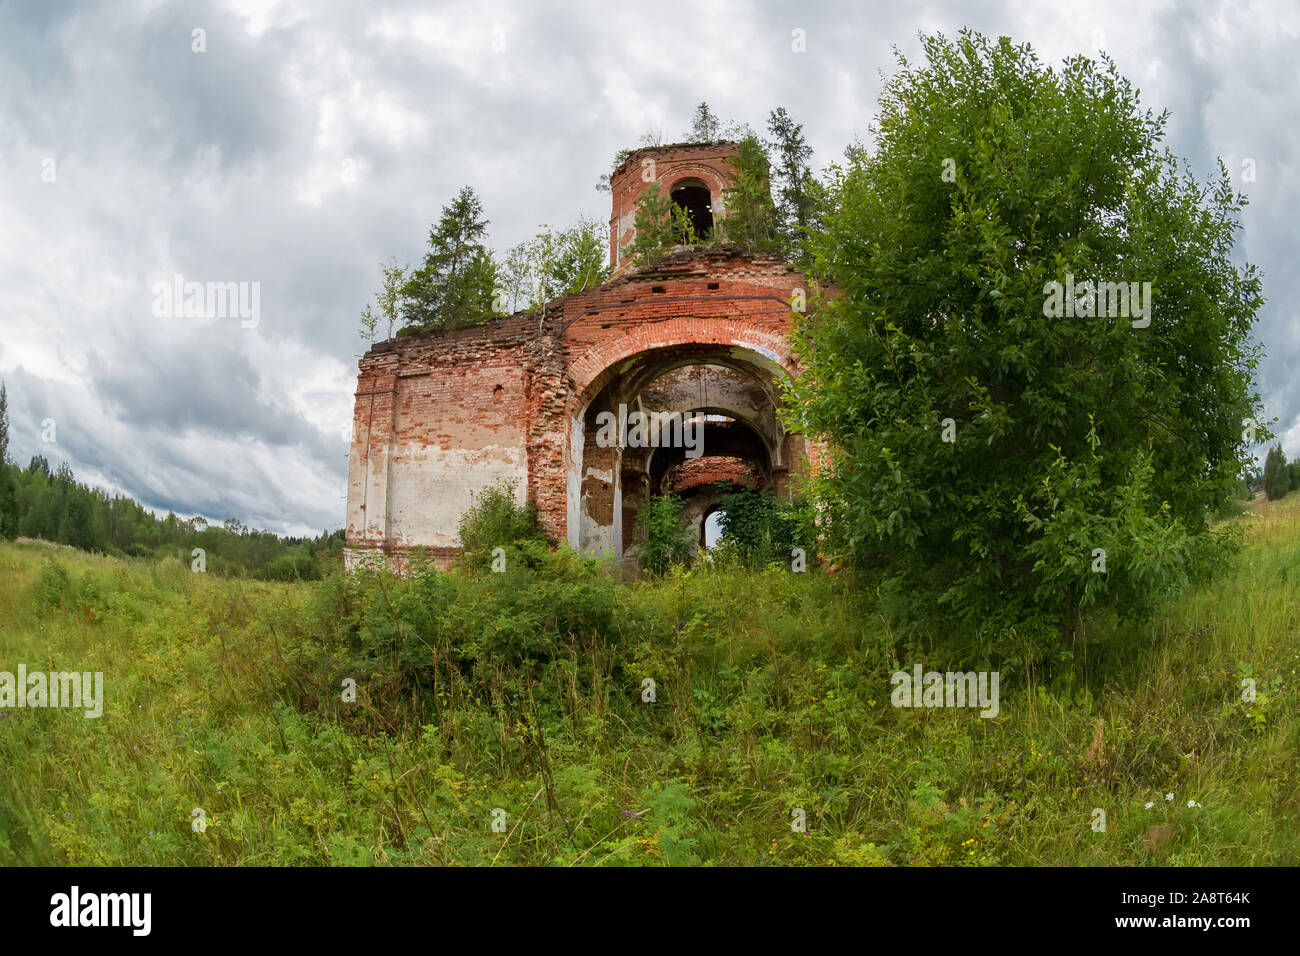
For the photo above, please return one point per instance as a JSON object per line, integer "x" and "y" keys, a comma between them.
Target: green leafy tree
{"x": 998, "y": 466}
{"x": 796, "y": 188}
{"x": 389, "y": 301}
{"x": 455, "y": 287}
{"x": 515, "y": 280}
{"x": 705, "y": 125}
{"x": 751, "y": 219}
{"x": 682, "y": 227}
{"x": 582, "y": 261}
{"x": 76, "y": 527}
{"x": 10, "y": 517}
{"x": 554, "y": 263}
{"x": 1277, "y": 478}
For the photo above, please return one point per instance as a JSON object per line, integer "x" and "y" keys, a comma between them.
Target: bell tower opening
{"x": 693, "y": 196}
{"x": 696, "y": 177}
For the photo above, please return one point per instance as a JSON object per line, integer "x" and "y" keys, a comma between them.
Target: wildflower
{"x": 1193, "y": 804}
{"x": 1168, "y": 797}
{"x": 1149, "y": 804}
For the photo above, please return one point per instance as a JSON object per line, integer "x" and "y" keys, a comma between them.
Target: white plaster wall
{"x": 430, "y": 488}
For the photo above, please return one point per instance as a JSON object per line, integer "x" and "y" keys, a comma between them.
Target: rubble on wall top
{"x": 408, "y": 336}
{"x": 687, "y": 262}
{"x": 678, "y": 263}
{"x": 643, "y": 150}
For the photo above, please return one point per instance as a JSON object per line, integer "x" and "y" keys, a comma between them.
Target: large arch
{"x": 602, "y": 361}
{"x": 597, "y": 475}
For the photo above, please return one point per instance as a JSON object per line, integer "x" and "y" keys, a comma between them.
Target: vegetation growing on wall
{"x": 761, "y": 529}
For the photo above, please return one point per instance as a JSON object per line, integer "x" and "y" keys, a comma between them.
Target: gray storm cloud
{"x": 311, "y": 141}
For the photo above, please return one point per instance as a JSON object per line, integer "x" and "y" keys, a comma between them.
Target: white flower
{"x": 1149, "y": 805}
{"x": 1168, "y": 797}
{"x": 1192, "y": 803}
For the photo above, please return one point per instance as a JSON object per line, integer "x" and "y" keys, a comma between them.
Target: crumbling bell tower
{"x": 701, "y": 336}
{"x": 694, "y": 175}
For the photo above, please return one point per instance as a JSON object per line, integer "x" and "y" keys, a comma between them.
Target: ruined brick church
{"x": 703, "y": 333}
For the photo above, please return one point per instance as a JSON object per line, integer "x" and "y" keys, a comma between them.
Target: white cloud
{"x": 314, "y": 140}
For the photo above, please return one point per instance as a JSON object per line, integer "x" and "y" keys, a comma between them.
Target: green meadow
{"x": 507, "y": 719}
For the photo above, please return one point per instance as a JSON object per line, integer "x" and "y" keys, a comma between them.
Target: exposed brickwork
{"x": 710, "y": 164}
{"x": 709, "y": 471}
{"x": 439, "y": 416}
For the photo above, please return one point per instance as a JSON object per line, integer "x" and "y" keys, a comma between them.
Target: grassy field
{"x": 517, "y": 700}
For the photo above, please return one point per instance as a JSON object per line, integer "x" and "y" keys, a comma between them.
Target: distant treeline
{"x": 38, "y": 503}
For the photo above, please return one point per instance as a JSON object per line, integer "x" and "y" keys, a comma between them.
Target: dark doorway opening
{"x": 696, "y": 201}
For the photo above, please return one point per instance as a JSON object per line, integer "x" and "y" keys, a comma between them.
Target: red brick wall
{"x": 709, "y": 471}
{"x": 438, "y": 414}
{"x": 710, "y": 163}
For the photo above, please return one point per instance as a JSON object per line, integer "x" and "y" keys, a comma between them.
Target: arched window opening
{"x": 695, "y": 199}
{"x": 713, "y": 528}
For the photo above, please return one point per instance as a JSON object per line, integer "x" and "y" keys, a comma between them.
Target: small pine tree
{"x": 796, "y": 191}
{"x": 455, "y": 286}
{"x": 751, "y": 219}
{"x": 705, "y": 127}
{"x": 654, "y": 228}
{"x": 1277, "y": 480}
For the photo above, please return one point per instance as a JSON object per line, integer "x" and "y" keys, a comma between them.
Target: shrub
{"x": 294, "y": 566}
{"x": 762, "y": 529}
{"x": 665, "y": 544}
{"x": 495, "y": 519}
{"x": 497, "y": 632}
{"x": 52, "y": 588}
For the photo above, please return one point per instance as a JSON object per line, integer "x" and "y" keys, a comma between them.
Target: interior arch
{"x": 722, "y": 399}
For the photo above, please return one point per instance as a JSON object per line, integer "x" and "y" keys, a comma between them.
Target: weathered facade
{"x": 702, "y": 335}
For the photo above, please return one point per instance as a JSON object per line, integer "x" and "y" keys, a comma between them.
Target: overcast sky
{"x": 311, "y": 140}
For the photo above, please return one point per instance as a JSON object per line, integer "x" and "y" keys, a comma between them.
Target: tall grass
{"x": 524, "y": 692}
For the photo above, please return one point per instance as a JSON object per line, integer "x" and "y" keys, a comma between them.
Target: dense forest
{"x": 37, "y": 502}
{"x": 54, "y": 506}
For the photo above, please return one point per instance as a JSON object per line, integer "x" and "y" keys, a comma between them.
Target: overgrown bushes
{"x": 761, "y": 529}
{"x": 665, "y": 544}
{"x": 495, "y": 519}
{"x": 526, "y": 690}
